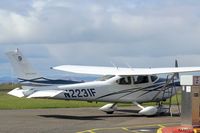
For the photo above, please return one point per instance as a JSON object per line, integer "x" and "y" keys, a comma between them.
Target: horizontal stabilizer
{"x": 45, "y": 94}
{"x": 16, "y": 92}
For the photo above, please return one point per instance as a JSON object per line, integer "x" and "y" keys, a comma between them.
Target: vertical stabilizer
{"x": 21, "y": 66}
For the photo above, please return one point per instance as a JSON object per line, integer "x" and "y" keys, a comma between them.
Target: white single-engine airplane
{"x": 117, "y": 85}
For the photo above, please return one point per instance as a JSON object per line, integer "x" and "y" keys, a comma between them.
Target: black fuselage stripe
{"x": 134, "y": 90}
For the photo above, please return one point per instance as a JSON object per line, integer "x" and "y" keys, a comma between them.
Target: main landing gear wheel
{"x": 110, "y": 112}
{"x": 109, "y": 108}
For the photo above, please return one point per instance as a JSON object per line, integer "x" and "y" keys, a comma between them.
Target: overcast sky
{"x": 141, "y": 33}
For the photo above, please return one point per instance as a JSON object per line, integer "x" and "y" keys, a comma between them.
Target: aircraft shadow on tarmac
{"x": 118, "y": 114}
{"x": 97, "y": 117}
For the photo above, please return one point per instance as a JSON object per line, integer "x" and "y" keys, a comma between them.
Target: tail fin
{"x": 21, "y": 66}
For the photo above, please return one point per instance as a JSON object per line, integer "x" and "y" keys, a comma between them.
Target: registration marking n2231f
{"x": 75, "y": 93}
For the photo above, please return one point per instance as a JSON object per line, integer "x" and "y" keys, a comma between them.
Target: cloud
{"x": 19, "y": 7}
{"x": 90, "y": 32}
{"x": 118, "y": 22}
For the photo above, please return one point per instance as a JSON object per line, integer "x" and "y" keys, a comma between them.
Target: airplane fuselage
{"x": 111, "y": 90}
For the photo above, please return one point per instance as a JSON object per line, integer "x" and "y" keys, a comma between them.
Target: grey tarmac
{"x": 80, "y": 120}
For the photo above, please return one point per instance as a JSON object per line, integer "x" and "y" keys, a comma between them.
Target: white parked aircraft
{"x": 117, "y": 85}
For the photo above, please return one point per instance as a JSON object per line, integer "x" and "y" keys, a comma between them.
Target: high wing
{"x": 96, "y": 70}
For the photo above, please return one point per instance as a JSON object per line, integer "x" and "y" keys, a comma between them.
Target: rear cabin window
{"x": 141, "y": 79}
{"x": 125, "y": 81}
{"x": 153, "y": 78}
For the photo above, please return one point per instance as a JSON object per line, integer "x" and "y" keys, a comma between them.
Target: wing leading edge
{"x": 96, "y": 70}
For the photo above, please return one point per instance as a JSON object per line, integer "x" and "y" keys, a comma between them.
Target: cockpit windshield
{"x": 154, "y": 78}
{"x": 104, "y": 78}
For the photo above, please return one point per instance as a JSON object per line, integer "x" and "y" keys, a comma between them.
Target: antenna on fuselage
{"x": 114, "y": 65}
{"x": 129, "y": 66}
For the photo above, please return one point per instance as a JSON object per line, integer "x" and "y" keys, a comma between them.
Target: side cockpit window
{"x": 124, "y": 81}
{"x": 141, "y": 79}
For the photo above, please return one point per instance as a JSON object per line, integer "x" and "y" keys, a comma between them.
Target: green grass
{"x": 173, "y": 100}
{"x": 8, "y": 86}
{"x": 11, "y": 102}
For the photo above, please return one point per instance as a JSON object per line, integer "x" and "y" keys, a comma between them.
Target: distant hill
{"x": 84, "y": 78}
{"x": 7, "y": 79}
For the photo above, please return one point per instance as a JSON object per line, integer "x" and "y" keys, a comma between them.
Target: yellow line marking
{"x": 161, "y": 125}
{"x": 159, "y": 130}
{"x": 87, "y": 131}
{"x": 100, "y": 129}
{"x": 127, "y": 128}
{"x": 196, "y": 130}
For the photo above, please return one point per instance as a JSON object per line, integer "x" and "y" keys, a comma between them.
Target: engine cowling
{"x": 149, "y": 111}
{"x": 109, "y": 108}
